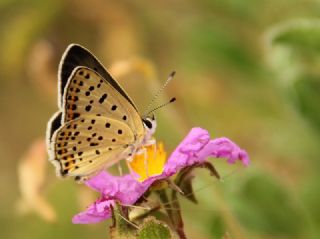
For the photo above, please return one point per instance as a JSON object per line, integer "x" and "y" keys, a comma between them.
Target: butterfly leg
{"x": 132, "y": 172}
{"x": 120, "y": 168}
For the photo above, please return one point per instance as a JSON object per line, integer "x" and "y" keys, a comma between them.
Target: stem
{"x": 175, "y": 216}
{"x": 165, "y": 200}
{"x": 178, "y": 222}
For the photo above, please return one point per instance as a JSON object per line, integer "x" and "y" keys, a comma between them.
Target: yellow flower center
{"x": 149, "y": 161}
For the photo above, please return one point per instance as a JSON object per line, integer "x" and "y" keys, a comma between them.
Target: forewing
{"x": 76, "y": 55}
{"x": 86, "y": 145}
{"x": 87, "y": 93}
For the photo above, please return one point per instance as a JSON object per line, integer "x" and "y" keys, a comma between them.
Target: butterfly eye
{"x": 148, "y": 123}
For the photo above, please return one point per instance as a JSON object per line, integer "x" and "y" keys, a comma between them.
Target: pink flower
{"x": 194, "y": 149}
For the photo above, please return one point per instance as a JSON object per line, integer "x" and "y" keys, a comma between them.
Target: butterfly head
{"x": 150, "y": 125}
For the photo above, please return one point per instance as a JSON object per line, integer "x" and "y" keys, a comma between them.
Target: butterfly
{"x": 97, "y": 123}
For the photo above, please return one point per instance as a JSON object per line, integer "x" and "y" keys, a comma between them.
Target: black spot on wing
{"x": 102, "y": 98}
{"x": 75, "y": 115}
{"x": 64, "y": 172}
{"x": 88, "y": 108}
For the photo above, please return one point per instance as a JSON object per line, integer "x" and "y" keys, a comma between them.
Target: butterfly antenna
{"x": 159, "y": 92}
{"x": 160, "y": 106}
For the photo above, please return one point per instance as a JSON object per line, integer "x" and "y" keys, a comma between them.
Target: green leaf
{"x": 300, "y": 34}
{"x": 307, "y": 98}
{"x": 294, "y": 54}
{"x": 154, "y": 229}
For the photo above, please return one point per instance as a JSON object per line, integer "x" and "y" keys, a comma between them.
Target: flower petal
{"x": 96, "y": 212}
{"x": 197, "y": 147}
{"x": 186, "y": 153}
{"x": 225, "y": 148}
{"x": 104, "y": 183}
{"x": 194, "y": 149}
{"x": 124, "y": 188}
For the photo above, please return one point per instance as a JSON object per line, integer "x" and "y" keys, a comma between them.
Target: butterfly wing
{"x": 88, "y": 93}
{"x": 84, "y": 146}
{"x": 92, "y": 107}
{"x": 76, "y": 55}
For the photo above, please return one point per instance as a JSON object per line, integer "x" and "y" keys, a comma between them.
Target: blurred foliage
{"x": 248, "y": 70}
{"x": 268, "y": 208}
{"x": 294, "y": 54}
